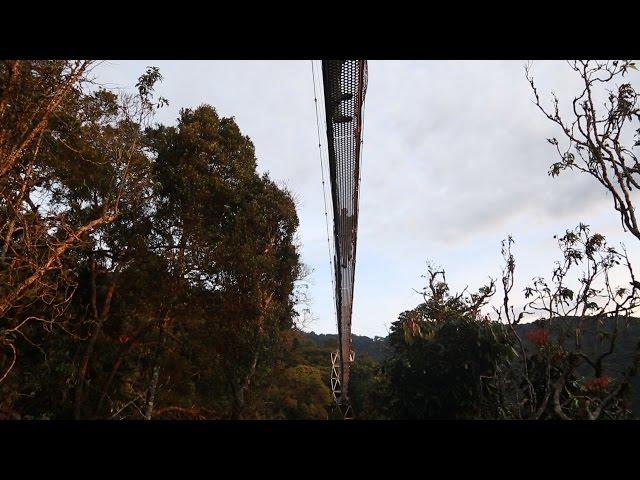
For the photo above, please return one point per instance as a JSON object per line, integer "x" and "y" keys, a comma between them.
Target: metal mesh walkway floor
{"x": 345, "y": 83}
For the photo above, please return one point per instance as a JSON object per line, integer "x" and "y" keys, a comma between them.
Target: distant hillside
{"x": 615, "y": 364}
{"x": 377, "y": 348}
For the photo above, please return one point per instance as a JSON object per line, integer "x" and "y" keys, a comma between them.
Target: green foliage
{"x": 441, "y": 356}
{"x": 370, "y": 390}
{"x": 299, "y": 393}
{"x": 191, "y": 279}
{"x": 180, "y": 302}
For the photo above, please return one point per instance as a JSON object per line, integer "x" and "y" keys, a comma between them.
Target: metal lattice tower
{"x": 345, "y": 84}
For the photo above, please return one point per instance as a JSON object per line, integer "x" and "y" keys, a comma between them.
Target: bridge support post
{"x": 342, "y": 403}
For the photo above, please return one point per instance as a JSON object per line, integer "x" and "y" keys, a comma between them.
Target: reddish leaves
{"x": 539, "y": 337}
{"x": 596, "y": 385}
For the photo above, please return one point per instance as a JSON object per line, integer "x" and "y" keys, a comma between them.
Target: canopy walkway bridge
{"x": 345, "y": 85}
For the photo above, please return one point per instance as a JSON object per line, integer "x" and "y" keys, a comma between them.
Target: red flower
{"x": 123, "y": 339}
{"x": 597, "y": 384}
{"x": 539, "y": 337}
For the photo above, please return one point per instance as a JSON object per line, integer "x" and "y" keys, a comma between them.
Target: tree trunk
{"x": 7, "y": 241}
{"x": 155, "y": 375}
{"x": 116, "y": 366}
{"x": 241, "y": 390}
{"x": 100, "y": 319}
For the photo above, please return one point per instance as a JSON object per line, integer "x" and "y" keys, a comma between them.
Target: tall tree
{"x": 581, "y": 317}
{"x": 227, "y": 235}
{"x": 70, "y": 158}
{"x": 442, "y": 351}
{"x": 601, "y": 132}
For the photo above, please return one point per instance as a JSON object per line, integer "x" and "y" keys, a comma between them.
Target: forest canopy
{"x": 149, "y": 271}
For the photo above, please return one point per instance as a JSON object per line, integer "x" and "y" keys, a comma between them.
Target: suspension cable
{"x": 324, "y": 191}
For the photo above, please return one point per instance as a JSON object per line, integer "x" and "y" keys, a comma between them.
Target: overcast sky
{"x": 455, "y": 158}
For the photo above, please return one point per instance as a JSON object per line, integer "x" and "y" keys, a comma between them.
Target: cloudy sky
{"x": 455, "y": 158}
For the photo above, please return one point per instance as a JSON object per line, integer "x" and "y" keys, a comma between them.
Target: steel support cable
{"x": 324, "y": 192}
{"x": 364, "y": 111}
